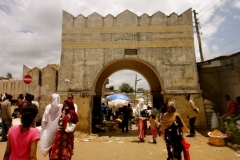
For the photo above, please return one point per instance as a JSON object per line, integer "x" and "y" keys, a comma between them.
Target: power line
{"x": 232, "y": 51}
{"x": 210, "y": 9}
{"x": 229, "y": 43}
{"x": 217, "y": 34}
{"x": 206, "y": 6}
{"x": 201, "y": 4}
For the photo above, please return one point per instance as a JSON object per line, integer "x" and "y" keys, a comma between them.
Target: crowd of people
{"x": 55, "y": 134}
{"x": 165, "y": 122}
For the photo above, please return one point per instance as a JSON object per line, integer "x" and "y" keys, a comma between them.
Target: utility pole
{"x": 198, "y": 36}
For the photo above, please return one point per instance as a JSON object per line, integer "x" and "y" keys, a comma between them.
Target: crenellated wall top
{"x": 70, "y": 16}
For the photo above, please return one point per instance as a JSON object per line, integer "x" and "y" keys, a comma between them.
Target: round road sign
{"x": 27, "y": 79}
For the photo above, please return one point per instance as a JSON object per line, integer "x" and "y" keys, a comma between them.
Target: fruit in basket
{"x": 216, "y": 133}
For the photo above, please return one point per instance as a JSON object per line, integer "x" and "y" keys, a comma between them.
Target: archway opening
{"x": 143, "y": 68}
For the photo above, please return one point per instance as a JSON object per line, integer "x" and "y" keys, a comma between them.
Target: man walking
{"x": 191, "y": 114}
{"x": 6, "y": 116}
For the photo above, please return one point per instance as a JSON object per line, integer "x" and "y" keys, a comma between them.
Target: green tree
{"x": 9, "y": 75}
{"x": 111, "y": 88}
{"x": 126, "y": 88}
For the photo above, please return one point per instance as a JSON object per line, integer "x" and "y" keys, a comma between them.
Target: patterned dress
{"x": 62, "y": 148}
{"x": 173, "y": 138}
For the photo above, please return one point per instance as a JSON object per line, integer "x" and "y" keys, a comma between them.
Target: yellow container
{"x": 220, "y": 142}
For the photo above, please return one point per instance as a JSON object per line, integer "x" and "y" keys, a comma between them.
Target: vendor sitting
{"x": 237, "y": 116}
{"x": 118, "y": 123}
{"x": 232, "y": 132}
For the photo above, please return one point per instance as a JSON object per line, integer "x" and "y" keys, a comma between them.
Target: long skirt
{"x": 142, "y": 128}
{"x": 62, "y": 148}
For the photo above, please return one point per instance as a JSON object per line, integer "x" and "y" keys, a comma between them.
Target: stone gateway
{"x": 159, "y": 47}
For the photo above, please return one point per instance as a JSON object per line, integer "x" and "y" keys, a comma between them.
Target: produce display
{"x": 217, "y": 134}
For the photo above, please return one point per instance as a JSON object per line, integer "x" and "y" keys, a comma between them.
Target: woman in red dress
{"x": 63, "y": 142}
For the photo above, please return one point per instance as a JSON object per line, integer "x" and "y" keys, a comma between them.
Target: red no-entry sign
{"x": 27, "y": 79}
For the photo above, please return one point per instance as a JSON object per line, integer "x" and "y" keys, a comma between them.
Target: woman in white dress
{"x": 49, "y": 124}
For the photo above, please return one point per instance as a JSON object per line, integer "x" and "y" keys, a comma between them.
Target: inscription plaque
{"x": 130, "y": 52}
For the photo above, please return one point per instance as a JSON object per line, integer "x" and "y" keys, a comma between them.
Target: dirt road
{"x": 125, "y": 146}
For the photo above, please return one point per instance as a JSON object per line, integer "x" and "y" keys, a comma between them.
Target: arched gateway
{"x": 159, "y": 47}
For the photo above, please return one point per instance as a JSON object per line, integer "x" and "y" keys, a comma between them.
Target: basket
{"x": 220, "y": 142}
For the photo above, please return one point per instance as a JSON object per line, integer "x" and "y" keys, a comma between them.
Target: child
{"x": 154, "y": 127}
{"x": 22, "y": 139}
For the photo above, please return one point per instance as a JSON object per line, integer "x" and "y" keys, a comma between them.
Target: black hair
{"x": 21, "y": 96}
{"x": 227, "y": 96}
{"x": 9, "y": 97}
{"x": 29, "y": 113}
{"x": 28, "y": 97}
{"x": 63, "y": 108}
{"x": 153, "y": 116}
{"x": 32, "y": 96}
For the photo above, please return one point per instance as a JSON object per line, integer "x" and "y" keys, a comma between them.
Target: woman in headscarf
{"x": 141, "y": 116}
{"x": 49, "y": 123}
{"x": 63, "y": 142}
{"x": 232, "y": 131}
{"x": 172, "y": 129}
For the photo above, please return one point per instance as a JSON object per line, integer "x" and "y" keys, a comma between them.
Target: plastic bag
{"x": 186, "y": 146}
{"x": 214, "y": 121}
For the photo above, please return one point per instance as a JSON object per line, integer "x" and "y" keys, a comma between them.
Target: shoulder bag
{"x": 70, "y": 126}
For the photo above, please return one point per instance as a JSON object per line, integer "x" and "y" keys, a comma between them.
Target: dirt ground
{"x": 126, "y": 146}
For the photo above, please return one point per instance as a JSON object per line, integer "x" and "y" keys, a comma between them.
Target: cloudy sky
{"x": 30, "y": 30}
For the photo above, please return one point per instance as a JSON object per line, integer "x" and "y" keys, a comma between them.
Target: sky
{"x": 30, "y": 30}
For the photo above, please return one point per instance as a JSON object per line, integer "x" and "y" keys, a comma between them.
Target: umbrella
{"x": 118, "y": 96}
{"x": 118, "y": 103}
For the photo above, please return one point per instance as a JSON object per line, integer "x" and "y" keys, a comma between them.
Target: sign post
{"x": 27, "y": 79}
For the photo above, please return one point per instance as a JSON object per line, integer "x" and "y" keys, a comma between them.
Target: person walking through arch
{"x": 141, "y": 116}
{"x": 126, "y": 113}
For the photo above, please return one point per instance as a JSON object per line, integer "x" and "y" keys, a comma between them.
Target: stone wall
{"x": 181, "y": 103}
{"x": 44, "y": 83}
{"x": 90, "y": 43}
{"x": 14, "y": 87}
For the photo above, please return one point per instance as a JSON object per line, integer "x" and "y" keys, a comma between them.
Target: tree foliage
{"x": 126, "y": 88}
{"x": 9, "y": 75}
{"x": 111, "y": 88}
